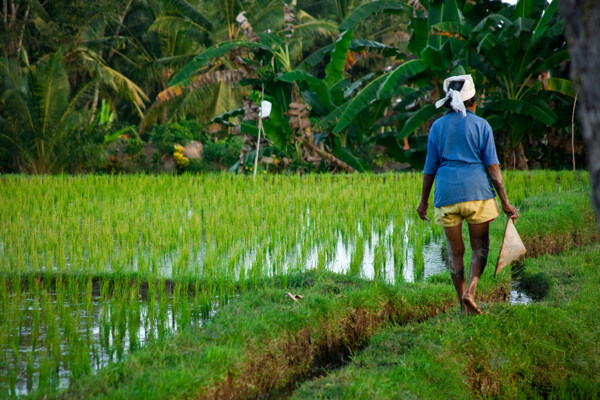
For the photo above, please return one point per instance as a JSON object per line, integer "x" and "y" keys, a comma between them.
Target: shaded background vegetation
{"x": 114, "y": 85}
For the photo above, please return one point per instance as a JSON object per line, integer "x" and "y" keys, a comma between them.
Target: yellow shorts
{"x": 475, "y": 212}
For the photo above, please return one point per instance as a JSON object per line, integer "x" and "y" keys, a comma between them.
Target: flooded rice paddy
{"x": 55, "y": 337}
{"x": 220, "y": 230}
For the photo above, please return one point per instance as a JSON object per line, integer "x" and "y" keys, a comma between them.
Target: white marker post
{"x": 263, "y": 112}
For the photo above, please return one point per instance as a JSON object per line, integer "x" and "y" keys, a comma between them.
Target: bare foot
{"x": 470, "y": 305}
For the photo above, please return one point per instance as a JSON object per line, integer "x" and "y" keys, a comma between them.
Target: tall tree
{"x": 582, "y": 20}
{"x": 42, "y": 120}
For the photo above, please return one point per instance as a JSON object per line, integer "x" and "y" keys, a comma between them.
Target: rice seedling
{"x": 84, "y": 284}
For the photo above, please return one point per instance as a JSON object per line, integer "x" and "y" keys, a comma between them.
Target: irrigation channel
{"x": 204, "y": 235}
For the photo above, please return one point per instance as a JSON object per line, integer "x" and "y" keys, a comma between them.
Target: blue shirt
{"x": 458, "y": 151}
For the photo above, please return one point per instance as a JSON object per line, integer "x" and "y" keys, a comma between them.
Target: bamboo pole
{"x": 262, "y": 99}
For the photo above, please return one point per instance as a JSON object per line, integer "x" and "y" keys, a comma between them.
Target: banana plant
{"x": 520, "y": 56}
{"x": 510, "y": 50}
{"x": 348, "y": 112}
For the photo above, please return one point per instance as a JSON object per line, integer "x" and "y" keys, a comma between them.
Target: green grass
{"x": 558, "y": 221}
{"x": 545, "y": 350}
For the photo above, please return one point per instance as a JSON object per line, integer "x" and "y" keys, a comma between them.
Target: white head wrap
{"x": 467, "y": 91}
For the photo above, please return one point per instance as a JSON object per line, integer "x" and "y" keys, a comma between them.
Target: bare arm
{"x": 496, "y": 177}
{"x": 424, "y": 204}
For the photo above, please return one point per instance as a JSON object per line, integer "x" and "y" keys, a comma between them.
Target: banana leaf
{"x": 452, "y": 27}
{"x": 184, "y": 75}
{"x": 200, "y": 60}
{"x": 356, "y": 45}
{"x": 357, "y": 83}
{"x": 334, "y": 116}
{"x": 442, "y": 11}
{"x": 561, "y": 85}
{"x": 248, "y": 128}
{"x": 494, "y": 20}
{"x": 279, "y": 136}
{"x": 434, "y": 58}
{"x": 224, "y": 118}
{"x": 521, "y": 25}
{"x": 487, "y": 42}
{"x": 554, "y": 60}
{"x": 523, "y": 108}
{"x": 415, "y": 155}
{"x": 407, "y": 100}
{"x": 400, "y": 74}
{"x": 347, "y": 156}
{"x": 544, "y": 22}
{"x": 359, "y": 103}
{"x": 335, "y": 68}
{"x": 418, "y": 37}
{"x": 312, "y": 100}
{"x": 420, "y": 117}
{"x": 371, "y": 92}
{"x": 529, "y": 9}
{"x": 496, "y": 121}
{"x": 316, "y": 85}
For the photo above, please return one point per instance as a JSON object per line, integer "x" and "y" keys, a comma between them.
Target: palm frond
{"x": 211, "y": 100}
{"x": 20, "y": 112}
{"x": 152, "y": 115}
{"x": 184, "y": 8}
{"x": 201, "y": 80}
{"x": 39, "y": 9}
{"x": 229, "y": 9}
{"x": 51, "y": 88}
{"x": 316, "y": 28}
{"x": 76, "y": 103}
{"x": 124, "y": 86}
{"x": 170, "y": 25}
{"x": 269, "y": 17}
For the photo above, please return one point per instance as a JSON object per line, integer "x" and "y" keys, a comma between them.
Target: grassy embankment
{"x": 265, "y": 341}
{"x": 549, "y": 349}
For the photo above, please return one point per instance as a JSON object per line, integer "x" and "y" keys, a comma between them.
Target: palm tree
{"x": 43, "y": 122}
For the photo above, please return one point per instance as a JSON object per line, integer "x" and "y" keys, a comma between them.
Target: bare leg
{"x": 456, "y": 250}
{"x": 479, "y": 235}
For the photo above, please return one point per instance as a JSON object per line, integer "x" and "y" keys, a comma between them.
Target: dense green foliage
{"x": 368, "y": 73}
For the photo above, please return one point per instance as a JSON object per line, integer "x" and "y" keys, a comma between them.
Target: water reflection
{"x": 389, "y": 256}
{"x": 518, "y": 296}
{"x": 110, "y": 329}
{"x": 84, "y": 336}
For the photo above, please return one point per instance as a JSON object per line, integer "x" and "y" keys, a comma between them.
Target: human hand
{"x": 422, "y": 211}
{"x": 510, "y": 211}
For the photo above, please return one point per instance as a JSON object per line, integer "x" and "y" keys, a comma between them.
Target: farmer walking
{"x": 462, "y": 159}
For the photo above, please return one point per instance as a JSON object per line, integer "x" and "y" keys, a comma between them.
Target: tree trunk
{"x": 582, "y": 26}
{"x": 330, "y": 157}
{"x": 521, "y": 160}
